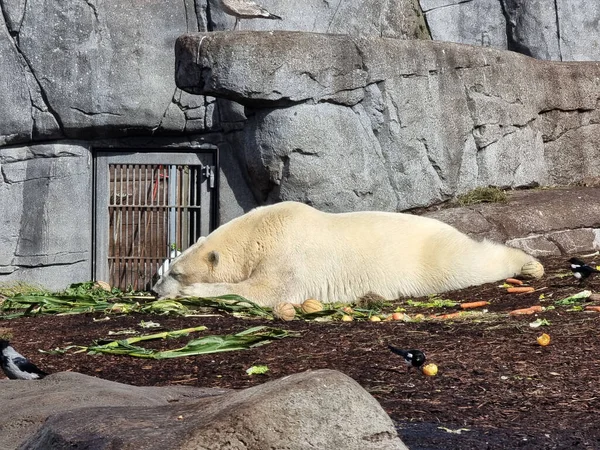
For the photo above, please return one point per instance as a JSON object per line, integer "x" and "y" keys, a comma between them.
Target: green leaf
{"x": 434, "y": 302}
{"x": 538, "y": 323}
{"x": 574, "y": 299}
{"x": 257, "y": 370}
{"x": 246, "y": 339}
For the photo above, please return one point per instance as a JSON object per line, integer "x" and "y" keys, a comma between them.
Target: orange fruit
{"x": 311, "y": 305}
{"x": 430, "y": 370}
{"x": 543, "y": 340}
{"x": 284, "y": 311}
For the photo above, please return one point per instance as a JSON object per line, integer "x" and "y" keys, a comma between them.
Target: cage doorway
{"x": 149, "y": 208}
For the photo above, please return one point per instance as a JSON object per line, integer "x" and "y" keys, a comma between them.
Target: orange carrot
{"x": 520, "y": 290}
{"x": 473, "y": 304}
{"x": 514, "y": 281}
{"x": 593, "y": 308}
{"x": 531, "y": 310}
{"x": 453, "y": 315}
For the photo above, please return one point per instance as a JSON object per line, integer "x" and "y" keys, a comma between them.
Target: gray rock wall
{"x": 46, "y": 220}
{"x": 402, "y": 19}
{"x": 88, "y": 70}
{"x": 104, "y": 71}
{"x": 372, "y": 123}
{"x": 342, "y": 124}
{"x": 78, "y": 70}
{"x": 560, "y": 30}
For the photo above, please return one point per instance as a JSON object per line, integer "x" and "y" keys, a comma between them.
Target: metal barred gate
{"x": 149, "y": 207}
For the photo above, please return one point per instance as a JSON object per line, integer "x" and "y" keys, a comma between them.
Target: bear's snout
{"x": 166, "y": 286}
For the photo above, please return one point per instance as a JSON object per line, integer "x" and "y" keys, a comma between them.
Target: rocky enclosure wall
{"x": 559, "y": 30}
{"x": 349, "y": 123}
{"x": 77, "y": 76}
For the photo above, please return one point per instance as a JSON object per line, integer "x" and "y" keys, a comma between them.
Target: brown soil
{"x": 496, "y": 387}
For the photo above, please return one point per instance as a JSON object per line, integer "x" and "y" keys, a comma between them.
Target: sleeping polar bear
{"x": 290, "y": 252}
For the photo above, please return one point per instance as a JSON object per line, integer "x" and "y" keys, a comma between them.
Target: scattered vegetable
{"x": 574, "y": 299}
{"x": 538, "y": 323}
{"x": 524, "y": 311}
{"x": 284, "y": 311}
{"x": 257, "y": 370}
{"x": 102, "y": 285}
{"x": 593, "y": 308}
{"x": 430, "y": 370}
{"x": 543, "y": 340}
{"x": 246, "y": 339}
{"x": 470, "y": 305}
{"x": 520, "y": 289}
{"x": 347, "y": 318}
{"x": 453, "y": 315}
{"x": 375, "y": 319}
{"x": 434, "y": 302}
{"x": 514, "y": 281}
{"x": 311, "y": 306}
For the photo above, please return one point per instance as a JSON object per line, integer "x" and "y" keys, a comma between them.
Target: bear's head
{"x": 207, "y": 261}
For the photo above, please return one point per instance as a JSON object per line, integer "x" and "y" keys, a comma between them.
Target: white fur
{"x": 291, "y": 252}
{"x": 167, "y": 262}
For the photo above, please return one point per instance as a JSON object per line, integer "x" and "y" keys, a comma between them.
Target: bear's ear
{"x": 213, "y": 258}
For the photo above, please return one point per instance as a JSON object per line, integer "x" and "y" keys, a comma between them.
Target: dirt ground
{"x": 496, "y": 387}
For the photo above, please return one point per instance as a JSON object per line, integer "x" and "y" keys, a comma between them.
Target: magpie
{"x": 16, "y": 366}
{"x": 412, "y": 358}
{"x": 581, "y": 270}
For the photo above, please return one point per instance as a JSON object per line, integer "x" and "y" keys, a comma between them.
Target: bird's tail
{"x": 274, "y": 17}
{"x": 397, "y": 351}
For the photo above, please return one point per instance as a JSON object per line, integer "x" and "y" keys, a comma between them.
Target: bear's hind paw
{"x": 533, "y": 269}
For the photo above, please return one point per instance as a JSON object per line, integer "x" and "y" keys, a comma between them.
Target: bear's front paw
{"x": 533, "y": 269}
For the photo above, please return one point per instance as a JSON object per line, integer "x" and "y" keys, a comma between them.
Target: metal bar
{"x": 139, "y": 276}
{"x": 194, "y": 190}
{"x": 165, "y": 217}
{"x": 173, "y": 210}
{"x": 145, "y": 216}
{"x": 133, "y": 258}
{"x": 127, "y": 231}
{"x": 121, "y": 221}
{"x": 165, "y": 206}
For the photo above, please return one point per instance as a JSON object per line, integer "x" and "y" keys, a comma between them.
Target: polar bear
{"x": 290, "y": 251}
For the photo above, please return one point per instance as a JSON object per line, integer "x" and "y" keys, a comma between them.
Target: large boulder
{"x": 544, "y": 222}
{"x": 25, "y": 405}
{"x": 544, "y": 29}
{"x": 319, "y": 409}
{"x": 92, "y": 69}
{"x": 105, "y": 69}
{"x": 349, "y": 123}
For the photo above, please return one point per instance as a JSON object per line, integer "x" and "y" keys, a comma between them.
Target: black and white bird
{"x": 581, "y": 270}
{"x": 16, "y": 366}
{"x": 412, "y": 358}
